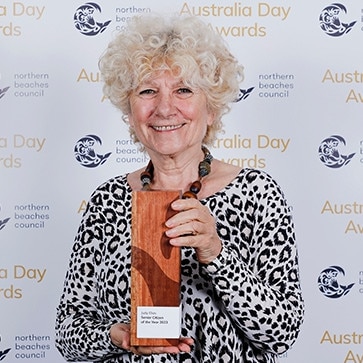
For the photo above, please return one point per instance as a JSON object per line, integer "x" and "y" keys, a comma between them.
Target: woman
{"x": 173, "y": 79}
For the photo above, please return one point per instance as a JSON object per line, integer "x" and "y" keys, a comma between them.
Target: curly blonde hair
{"x": 185, "y": 46}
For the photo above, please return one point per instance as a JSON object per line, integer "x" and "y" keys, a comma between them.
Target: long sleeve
{"x": 88, "y": 305}
{"x": 256, "y": 275}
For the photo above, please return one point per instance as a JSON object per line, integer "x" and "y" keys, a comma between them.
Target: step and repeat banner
{"x": 299, "y": 117}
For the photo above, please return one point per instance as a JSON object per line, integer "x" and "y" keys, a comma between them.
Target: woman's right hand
{"x": 120, "y": 336}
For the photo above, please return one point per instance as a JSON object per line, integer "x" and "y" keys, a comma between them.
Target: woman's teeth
{"x": 167, "y": 128}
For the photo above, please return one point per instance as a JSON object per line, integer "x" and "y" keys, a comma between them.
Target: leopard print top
{"x": 245, "y": 306}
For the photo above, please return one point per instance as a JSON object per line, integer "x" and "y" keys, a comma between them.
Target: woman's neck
{"x": 175, "y": 176}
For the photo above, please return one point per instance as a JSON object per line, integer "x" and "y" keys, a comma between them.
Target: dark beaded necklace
{"x": 204, "y": 167}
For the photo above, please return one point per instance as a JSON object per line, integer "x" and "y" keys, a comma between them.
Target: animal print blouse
{"x": 245, "y": 306}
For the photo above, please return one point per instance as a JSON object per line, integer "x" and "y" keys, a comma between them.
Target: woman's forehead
{"x": 163, "y": 76}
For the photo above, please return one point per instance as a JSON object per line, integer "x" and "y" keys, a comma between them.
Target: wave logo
{"x": 330, "y": 21}
{"x": 85, "y": 153}
{"x": 3, "y": 223}
{"x": 328, "y": 283}
{"x": 244, "y": 93}
{"x": 84, "y": 20}
{"x": 3, "y": 91}
{"x": 330, "y": 155}
{"x": 3, "y": 353}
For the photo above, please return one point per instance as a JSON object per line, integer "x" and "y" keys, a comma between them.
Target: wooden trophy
{"x": 155, "y": 271}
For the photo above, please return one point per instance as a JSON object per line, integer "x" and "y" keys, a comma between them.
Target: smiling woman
{"x": 241, "y": 302}
{"x": 166, "y": 115}
{"x": 155, "y": 44}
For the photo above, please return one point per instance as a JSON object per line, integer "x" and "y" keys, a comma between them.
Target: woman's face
{"x": 167, "y": 116}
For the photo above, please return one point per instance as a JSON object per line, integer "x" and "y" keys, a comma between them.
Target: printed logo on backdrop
{"x": 17, "y": 146}
{"x": 27, "y": 216}
{"x": 127, "y": 152}
{"x": 3, "y": 91}
{"x": 29, "y": 346}
{"x": 330, "y": 152}
{"x": 244, "y": 93}
{"x": 329, "y": 285}
{"x": 31, "y": 84}
{"x": 85, "y": 153}
{"x": 3, "y": 223}
{"x": 346, "y": 78}
{"x": 85, "y": 22}
{"x": 15, "y": 13}
{"x": 347, "y": 212}
{"x": 240, "y": 20}
{"x": 28, "y": 84}
{"x": 3, "y": 353}
{"x": 273, "y": 86}
{"x": 276, "y": 85}
{"x": 242, "y": 145}
{"x": 331, "y": 23}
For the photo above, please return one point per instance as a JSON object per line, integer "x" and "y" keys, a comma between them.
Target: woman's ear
{"x": 129, "y": 119}
{"x": 211, "y": 118}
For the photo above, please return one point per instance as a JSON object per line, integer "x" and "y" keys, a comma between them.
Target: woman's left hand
{"x": 184, "y": 346}
{"x": 194, "y": 226}
{"x": 120, "y": 337}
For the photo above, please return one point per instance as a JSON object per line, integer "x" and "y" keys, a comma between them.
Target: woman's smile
{"x": 167, "y": 127}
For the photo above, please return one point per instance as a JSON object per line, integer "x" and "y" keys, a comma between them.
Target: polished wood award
{"x": 155, "y": 271}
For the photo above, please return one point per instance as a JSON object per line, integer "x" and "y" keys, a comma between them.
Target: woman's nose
{"x": 165, "y": 105}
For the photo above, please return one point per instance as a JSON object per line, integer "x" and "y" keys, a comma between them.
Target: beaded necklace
{"x": 204, "y": 167}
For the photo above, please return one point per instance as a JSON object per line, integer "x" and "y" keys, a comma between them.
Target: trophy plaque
{"x": 155, "y": 271}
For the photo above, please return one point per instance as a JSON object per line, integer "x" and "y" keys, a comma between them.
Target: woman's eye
{"x": 184, "y": 92}
{"x": 147, "y": 92}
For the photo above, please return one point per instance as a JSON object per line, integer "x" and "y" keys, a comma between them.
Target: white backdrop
{"x": 303, "y": 94}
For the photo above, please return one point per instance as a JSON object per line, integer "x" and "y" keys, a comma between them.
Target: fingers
{"x": 154, "y": 350}
{"x": 193, "y": 218}
{"x": 194, "y": 226}
{"x": 120, "y": 335}
{"x": 184, "y": 346}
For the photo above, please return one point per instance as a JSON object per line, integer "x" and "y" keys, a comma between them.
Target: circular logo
{"x": 84, "y": 20}
{"x": 329, "y": 153}
{"x": 330, "y": 21}
{"x": 85, "y": 153}
{"x": 328, "y": 283}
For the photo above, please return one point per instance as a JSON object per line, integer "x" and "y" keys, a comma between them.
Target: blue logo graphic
{"x": 328, "y": 283}
{"x": 3, "y": 353}
{"x": 85, "y": 153}
{"x": 2, "y": 226}
{"x": 330, "y": 155}
{"x": 3, "y": 223}
{"x": 85, "y": 22}
{"x": 244, "y": 93}
{"x": 3, "y": 91}
{"x": 330, "y": 20}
